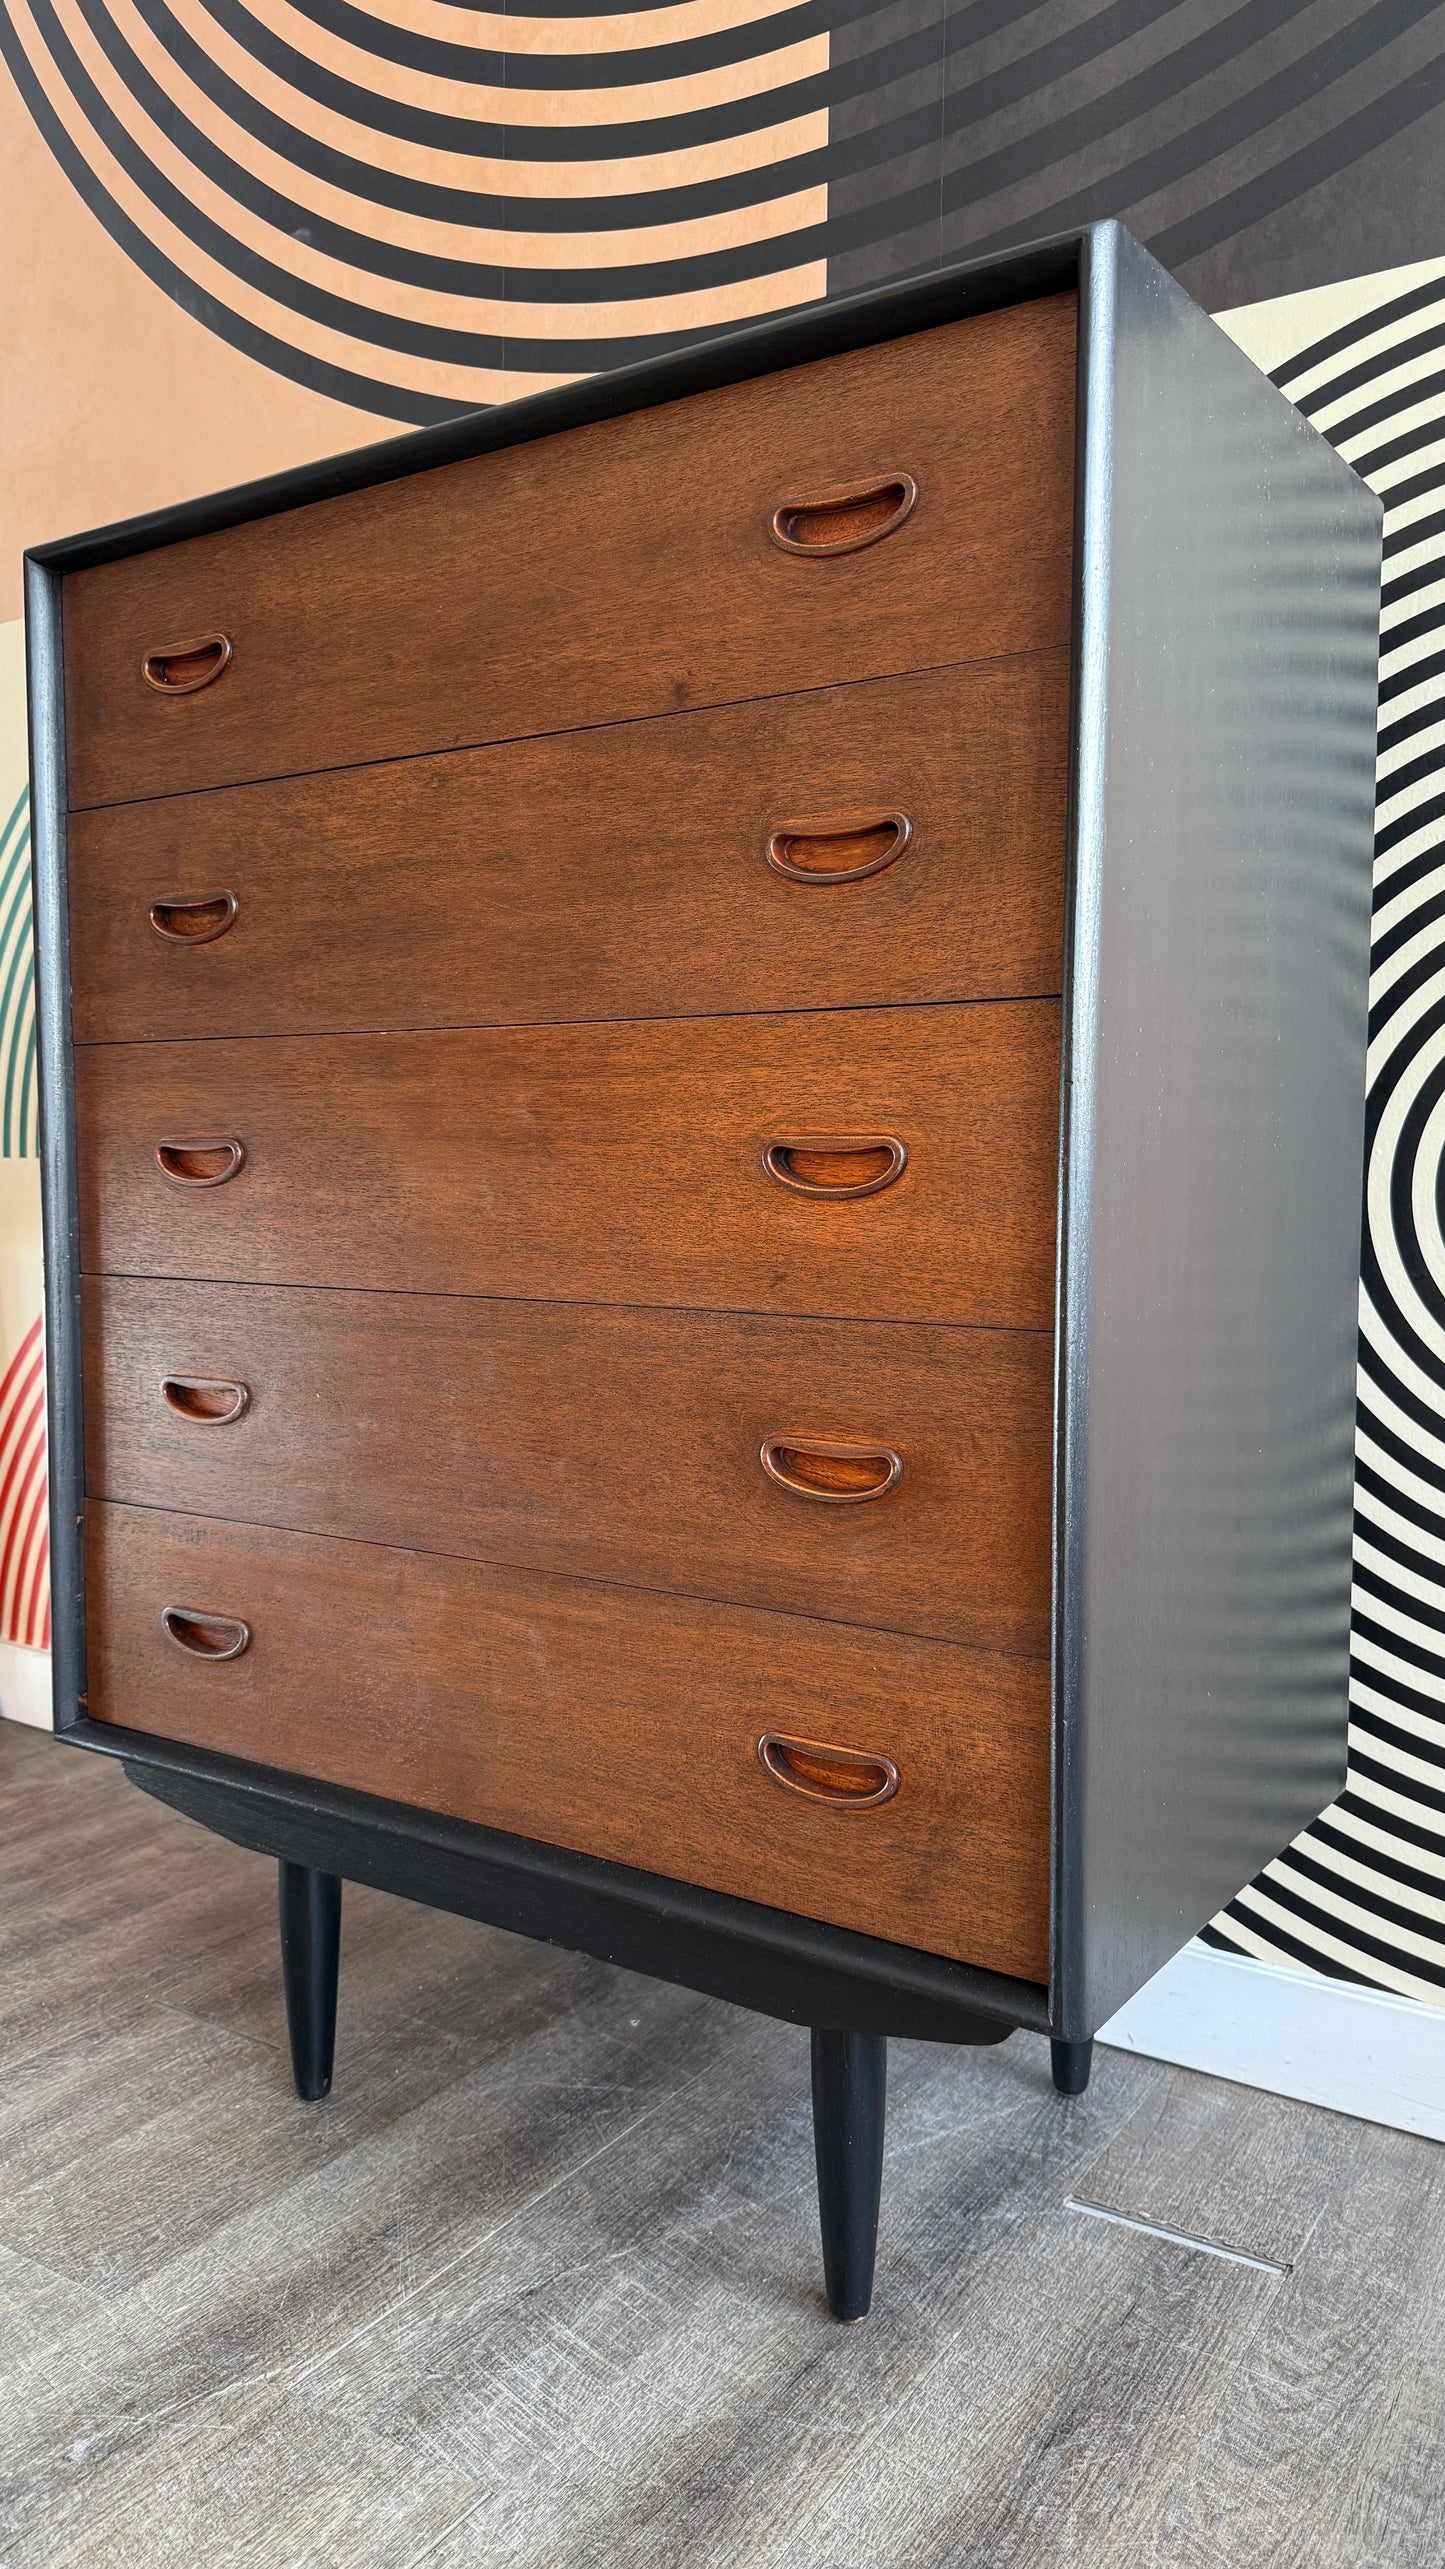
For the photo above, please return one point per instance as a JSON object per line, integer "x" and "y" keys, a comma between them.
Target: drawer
{"x": 613, "y": 1444}
{"x": 598, "y": 1163}
{"x": 625, "y": 568}
{"x": 614, "y": 1721}
{"x": 616, "y": 873}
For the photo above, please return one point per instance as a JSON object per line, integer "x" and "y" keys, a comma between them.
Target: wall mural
{"x": 417, "y": 208}
{"x": 251, "y": 231}
{"x": 421, "y": 212}
{"x": 24, "y": 1535}
{"x": 18, "y": 1111}
{"x": 24, "y": 1539}
{"x": 24, "y": 1532}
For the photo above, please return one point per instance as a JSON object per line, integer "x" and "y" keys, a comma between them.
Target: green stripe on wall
{"x": 19, "y": 1133}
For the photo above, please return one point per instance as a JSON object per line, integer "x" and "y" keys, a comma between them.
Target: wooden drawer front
{"x": 619, "y": 873}
{"x": 625, "y": 568}
{"x": 615, "y": 1444}
{"x": 606, "y": 1719}
{"x": 604, "y": 1163}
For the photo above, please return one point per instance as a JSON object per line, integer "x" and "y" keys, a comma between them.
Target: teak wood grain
{"x": 612, "y": 1444}
{"x": 614, "y": 873}
{"x": 596, "y": 1164}
{"x": 623, "y": 569}
{"x": 606, "y": 1719}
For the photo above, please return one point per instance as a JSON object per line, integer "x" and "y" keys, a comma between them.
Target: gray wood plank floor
{"x": 539, "y": 2284}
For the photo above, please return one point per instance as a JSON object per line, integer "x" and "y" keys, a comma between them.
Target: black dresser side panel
{"x": 1214, "y": 1122}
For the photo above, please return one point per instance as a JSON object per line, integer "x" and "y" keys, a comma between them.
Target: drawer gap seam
{"x": 620, "y": 722}
{"x": 579, "y": 1578}
{"x": 565, "y": 1302}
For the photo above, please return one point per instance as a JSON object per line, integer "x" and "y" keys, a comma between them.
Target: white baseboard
{"x": 1359, "y": 2051}
{"x": 25, "y": 1685}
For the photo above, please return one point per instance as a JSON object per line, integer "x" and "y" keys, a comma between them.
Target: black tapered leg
{"x": 1072, "y": 2064}
{"x": 310, "y": 1952}
{"x": 850, "y": 2082}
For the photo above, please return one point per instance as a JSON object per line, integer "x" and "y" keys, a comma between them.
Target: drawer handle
{"x": 205, "y": 1403}
{"x": 843, "y": 521}
{"x": 837, "y": 851}
{"x": 179, "y": 668}
{"x": 831, "y": 1468}
{"x": 850, "y": 1779}
{"x": 839, "y": 1164}
{"x": 194, "y": 1159}
{"x": 205, "y": 1636}
{"x": 193, "y": 918}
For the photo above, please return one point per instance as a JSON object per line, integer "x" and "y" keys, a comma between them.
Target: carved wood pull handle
{"x": 180, "y": 668}
{"x": 831, "y": 1468}
{"x": 204, "y": 1403}
{"x": 842, "y": 850}
{"x": 202, "y": 1635}
{"x": 843, "y": 521}
{"x": 193, "y": 918}
{"x": 840, "y": 1164}
{"x": 199, "y": 1159}
{"x": 849, "y": 1779}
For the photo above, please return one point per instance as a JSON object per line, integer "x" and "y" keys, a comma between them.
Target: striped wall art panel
{"x": 24, "y": 1532}
{"x": 19, "y": 1135}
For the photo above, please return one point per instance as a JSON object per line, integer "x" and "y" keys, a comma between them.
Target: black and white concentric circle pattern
{"x": 1362, "y": 1894}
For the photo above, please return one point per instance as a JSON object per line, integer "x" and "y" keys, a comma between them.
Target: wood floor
{"x": 539, "y": 2284}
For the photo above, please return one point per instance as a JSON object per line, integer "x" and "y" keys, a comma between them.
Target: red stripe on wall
{"x": 24, "y": 1532}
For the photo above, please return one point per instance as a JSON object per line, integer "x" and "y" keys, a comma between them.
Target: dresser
{"x": 703, "y": 1071}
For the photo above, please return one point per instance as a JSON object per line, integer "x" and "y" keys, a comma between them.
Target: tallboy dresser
{"x": 703, "y": 1051}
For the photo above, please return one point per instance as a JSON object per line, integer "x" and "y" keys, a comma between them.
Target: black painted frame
{"x": 788, "y": 1966}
